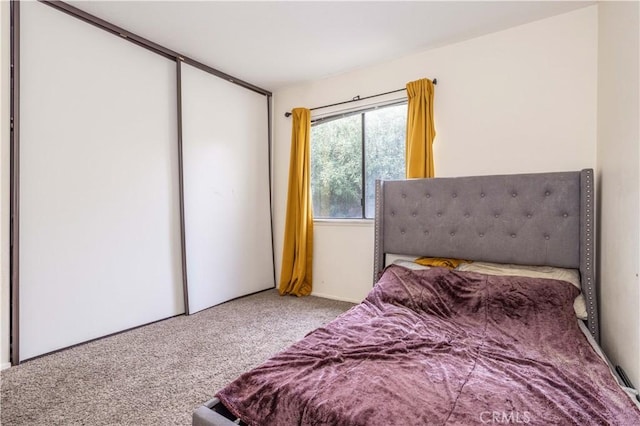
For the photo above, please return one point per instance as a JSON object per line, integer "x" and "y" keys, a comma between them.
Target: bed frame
{"x": 529, "y": 219}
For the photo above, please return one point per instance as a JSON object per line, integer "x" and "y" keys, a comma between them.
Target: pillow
{"x": 410, "y": 264}
{"x": 571, "y": 276}
{"x": 390, "y": 258}
{"x": 443, "y": 262}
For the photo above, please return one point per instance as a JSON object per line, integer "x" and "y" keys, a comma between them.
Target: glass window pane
{"x": 385, "y": 131}
{"x": 336, "y": 168}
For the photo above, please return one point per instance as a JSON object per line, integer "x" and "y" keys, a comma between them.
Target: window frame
{"x": 363, "y": 185}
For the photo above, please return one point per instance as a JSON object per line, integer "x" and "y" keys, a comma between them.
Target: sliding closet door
{"x": 99, "y": 223}
{"x": 226, "y": 187}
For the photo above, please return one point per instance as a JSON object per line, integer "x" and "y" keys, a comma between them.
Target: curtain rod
{"x": 356, "y": 99}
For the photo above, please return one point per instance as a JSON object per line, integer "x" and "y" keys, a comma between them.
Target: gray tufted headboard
{"x": 528, "y": 219}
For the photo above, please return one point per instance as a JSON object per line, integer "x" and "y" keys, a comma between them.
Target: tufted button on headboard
{"x": 529, "y": 219}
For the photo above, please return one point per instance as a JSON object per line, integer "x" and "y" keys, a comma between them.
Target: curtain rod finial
{"x": 287, "y": 114}
{"x": 435, "y": 81}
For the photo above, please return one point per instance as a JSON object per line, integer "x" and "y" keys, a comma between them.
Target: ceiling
{"x": 273, "y": 44}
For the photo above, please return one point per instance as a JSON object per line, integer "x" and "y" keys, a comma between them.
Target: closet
{"x": 226, "y": 181}
{"x": 141, "y": 186}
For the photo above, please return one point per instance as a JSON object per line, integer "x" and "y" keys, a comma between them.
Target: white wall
{"x": 619, "y": 183}
{"x": 520, "y": 100}
{"x": 4, "y": 182}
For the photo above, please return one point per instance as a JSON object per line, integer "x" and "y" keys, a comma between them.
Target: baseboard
{"x": 5, "y": 365}
{"x": 341, "y": 299}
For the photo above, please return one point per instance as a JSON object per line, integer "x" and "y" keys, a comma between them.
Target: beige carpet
{"x": 158, "y": 374}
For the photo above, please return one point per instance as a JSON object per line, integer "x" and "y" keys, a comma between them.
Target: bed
{"x": 455, "y": 346}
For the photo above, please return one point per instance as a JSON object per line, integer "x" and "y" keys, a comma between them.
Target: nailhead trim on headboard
{"x": 587, "y": 255}
{"x": 378, "y": 255}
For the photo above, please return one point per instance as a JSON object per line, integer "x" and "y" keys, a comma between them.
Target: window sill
{"x": 343, "y": 222}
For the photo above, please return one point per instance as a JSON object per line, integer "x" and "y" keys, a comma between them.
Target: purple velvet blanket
{"x": 440, "y": 347}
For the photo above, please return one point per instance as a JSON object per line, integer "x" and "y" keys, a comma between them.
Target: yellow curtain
{"x": 420, "y": 129}
{"x": 297, "y": 254}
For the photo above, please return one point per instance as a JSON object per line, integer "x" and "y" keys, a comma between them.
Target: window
{"x": 349, "y": 153}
